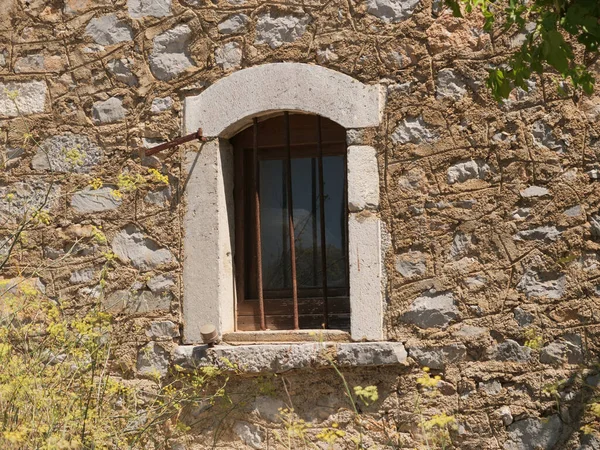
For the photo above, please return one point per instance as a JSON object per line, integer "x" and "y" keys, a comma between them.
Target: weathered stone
{"x": 91, "y": 200}
{"x": 136, "y": 301}
{"x": 492, "y": 387}
{"x": 371, "y": 354}
{"x": 162, "y": 330}
{"x": 468, "y": 170}
{"x": 411, "y": 264}
{"x": 534, "y": 434}
{"x": 21, "y": 198}
{"x": 589, "y": 442}
{"x": 108, "y": 111}
{"x": 574, "y": 211}
{"x": 268, "y": 408}
{"x": 432, "y": 310}
{"x": 67, "y": 153}
{"x": 450, "y": 85}
{"x": 275, "y": 28}
{"x": 169, "y": 56}
{"x": 414, "y": 130}
{"x": 595, "y": 226}
{"x": 510, "y": 350}
{"x": 159, "y": 198}
{"x": 249, "y": 433}
{"x": 521, "y": 213}
{"x": 542, "y": 284}
{"x": 121, "y": 69}
{"x": 505, "y": 415}
{"x": 560, "y": 352}
{"x": 30, "y": 63}
{"x": 438, "y": 357}
{"x": 108, "y": 30}
{"x": 152, "y": 360}
{"x": 82, "y": 276}
{"x": 523, "y": 317}
{"x": 471, "y": 331}
{"x": 29, "y": 98}
{"x": 461, "y": 244}
{"x": 229, "y": 56}
{"x": 160, "y": 284}
{"x": 130, "y": 245}
{"x": 161, "y": 104}
{"x": 392, "y": 11}
{"x": 534, "y": 191}
{"x": 547, "y": 233}
{"x": 235, "y": 24}
{"x": 154, "y": 8}
{"x": 476, "y": 282}
{"x": 544, "y": 137}
{"x": 326, "y": 55}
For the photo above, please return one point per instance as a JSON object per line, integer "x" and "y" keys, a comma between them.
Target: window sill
{"x": 282, "y": 357}
{"x": 281, "y": 336}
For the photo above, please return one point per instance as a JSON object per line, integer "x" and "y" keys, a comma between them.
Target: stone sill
{"x": 277, "y": 358}
{"x": 272, "y": 337}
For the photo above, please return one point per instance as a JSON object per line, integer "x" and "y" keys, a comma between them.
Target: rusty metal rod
{"x": 175, "y": 142}
{"x": 290, "y": 202}
{"x": 261, "y": 302}
{"x": 322, "y": 214}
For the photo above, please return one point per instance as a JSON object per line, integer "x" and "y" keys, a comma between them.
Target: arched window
{"x": 291, "y": 230}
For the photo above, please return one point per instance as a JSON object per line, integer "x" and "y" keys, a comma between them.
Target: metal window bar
{"x": 322, "y": 217}
{"x": 261, "y": 303}
{"x": 290, "y": 205}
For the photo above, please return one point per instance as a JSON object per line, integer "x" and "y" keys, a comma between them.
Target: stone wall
{"x": 491, "y": 211}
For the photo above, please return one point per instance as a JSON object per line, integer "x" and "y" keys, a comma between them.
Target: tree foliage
{"x": 559, "y": 24}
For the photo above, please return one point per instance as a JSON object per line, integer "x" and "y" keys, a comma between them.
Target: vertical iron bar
{"x": 322, "y": 214}
{"x": 291, "y": 219}
{"x": 240, "y": 230}
{"x": 261, "y": 304}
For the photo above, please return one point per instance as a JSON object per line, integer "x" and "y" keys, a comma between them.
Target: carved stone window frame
{"x": 224, "y": 109}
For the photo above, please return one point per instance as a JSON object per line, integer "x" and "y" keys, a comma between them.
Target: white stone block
{"x": 363, "y": 178}
{"x": 30, "y": 98}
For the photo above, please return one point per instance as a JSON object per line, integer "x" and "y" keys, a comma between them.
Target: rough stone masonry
{"x": 491, "y": 211}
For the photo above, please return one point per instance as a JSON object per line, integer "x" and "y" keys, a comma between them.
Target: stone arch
{"x": 224, "y": 109}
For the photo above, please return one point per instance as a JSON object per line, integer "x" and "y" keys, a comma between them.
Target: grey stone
{"x": 534, "y": 191}
{"x": 91, "y": 200}
{"x": 542, "y": 284}
{"x": 30, "y": 63}
{"x": 162, "y": 330}
{"x": 471, "y": 331}
{"x": 24, "y": 198}
{"x": 326, "y": 55}
{"x": 411, "y": 264}
{"x": 414, "y": 130}
{"x": 94, "y": 292}
{"x": 371, "y": 354}
{"x": 505, "y": 415}
{"x": 468, "y": 170}
{"x": 154, "y": 8}
{"x": 130, "y": 245}
{"x": 432, "y": 310}
{"x": 438, "y": 357}
{"x": 169, "y": 56}
{"x": 268, "y": 408}
{"x": 135, "y": 301}
{"x": 82, "y": 276}
{"x": 229, "y": 56}
{"x": 492, "y": 387}
{"x": 574, "y": 211}
{"x": 560, "y": 352}
{"x": 589, "y": 442}
{"x": 521, "y": 213}
{"x": 159, "y": 198}
{"x": 595, "y": 226}
{"x": 534, "y": 434}
{"x": 523, "y": 317}
{"x": 13, "y": 156}
{"x": 121, "y": 69}
{"x": 108, "y": 111}
{"x": 160, "y": 104}
{"x": 249, "y": 433}
{"x": 160, "y": 284}
{"x": 547, "y": 233}
{"x": 235, "y": 24}
{"x": 31, "y": 98}
{"x": 392, "y": 11}
{"x": 504, "y": 137}
{"x": 275, "y": 29}
{"x": 543, "y": 136}
{"x": 510, "y": 350}
{"x": 67, "y": 153}
{"x": 461, "y": 244}
{"x": 108, "y": 30}
{"x": 152, "y": 360}
{"x": 476, "y": 282}
{"x": 450, "y": 85}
